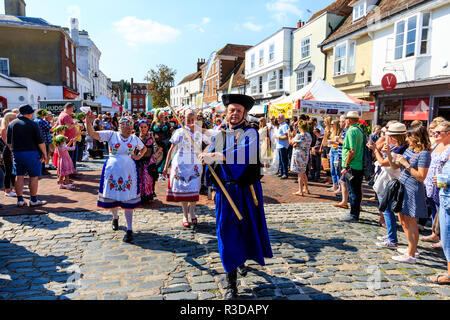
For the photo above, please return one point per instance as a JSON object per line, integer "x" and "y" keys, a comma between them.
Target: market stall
{"x": 321, "y": 99}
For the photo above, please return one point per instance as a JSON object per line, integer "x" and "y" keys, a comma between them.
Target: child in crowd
{"x": 65, "y": 164}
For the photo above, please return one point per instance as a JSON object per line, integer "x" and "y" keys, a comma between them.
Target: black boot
{"x": 231, "y": 287}
{"x": 128, "y": 237}
{"x": 115, "y": 224}
{"x": 243, "y": 270}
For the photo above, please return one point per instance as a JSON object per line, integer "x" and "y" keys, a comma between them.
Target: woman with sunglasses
{"x": 416, "y": 162}
{"x": 439, "y": 158}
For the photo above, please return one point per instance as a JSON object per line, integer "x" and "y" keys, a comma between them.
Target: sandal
{"x": 436, "y": 279}
{"x": 429, "y": 239}
{"x": 186, "y": 224}
{"x": 437, "y": 245}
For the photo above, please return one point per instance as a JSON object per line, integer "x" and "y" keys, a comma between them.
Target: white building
{"x": 268, "y": 66}
{"x": 88, "y": 57}
{"x": 187, "y": 91}
{"x": 18, "y": 91}
{"x": 413, "y": 46}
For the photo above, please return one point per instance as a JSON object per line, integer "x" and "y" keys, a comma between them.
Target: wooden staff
{"x": 255, "y": 199}
{"x": 225, "y": 192}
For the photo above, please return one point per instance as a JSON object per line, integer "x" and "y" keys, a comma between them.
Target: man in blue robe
{"x": 234, "y": 155}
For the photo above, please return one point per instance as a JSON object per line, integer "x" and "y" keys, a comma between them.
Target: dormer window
{"x": 359, "y": 10}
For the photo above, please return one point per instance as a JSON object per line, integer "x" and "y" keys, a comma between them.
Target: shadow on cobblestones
{"x": 25, "y": 275}
{"x": 45, "y": 222}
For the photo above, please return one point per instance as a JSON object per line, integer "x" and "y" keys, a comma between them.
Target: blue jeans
{"x": 444, "y": 220}
{"x": 355, "y": 192}
{"x": 284, "y": 161}
{"x": 391, "y": 222}
{"x": 335, "y": 173}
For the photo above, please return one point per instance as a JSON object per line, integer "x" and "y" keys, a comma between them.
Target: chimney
{"x": 74, "y": 32}
{"x": 15, "y": 8}
{"x": 200, "y": 62}
{"x": 299, "y": 24}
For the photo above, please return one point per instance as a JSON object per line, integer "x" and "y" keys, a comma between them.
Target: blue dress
{"x": 248, "y": 239}
{"x": 414, "y": 200}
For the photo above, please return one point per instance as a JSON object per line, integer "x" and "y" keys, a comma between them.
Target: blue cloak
{"x": 248, "y": 239}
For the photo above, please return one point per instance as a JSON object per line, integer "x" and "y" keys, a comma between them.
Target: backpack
{"x": 368, "y": 165}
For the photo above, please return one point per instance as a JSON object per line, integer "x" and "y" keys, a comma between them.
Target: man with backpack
{"x": 353, "y": 165}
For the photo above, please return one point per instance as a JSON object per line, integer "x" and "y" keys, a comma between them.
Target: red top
{"x": 65, "y": 119}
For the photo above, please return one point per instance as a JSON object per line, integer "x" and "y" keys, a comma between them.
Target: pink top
{"x": 66, "y": 120}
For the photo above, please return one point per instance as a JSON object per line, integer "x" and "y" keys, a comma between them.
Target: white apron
{"x": 119, "y": 184}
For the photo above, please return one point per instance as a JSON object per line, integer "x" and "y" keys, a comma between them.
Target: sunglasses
{"x": 438, "y": 133}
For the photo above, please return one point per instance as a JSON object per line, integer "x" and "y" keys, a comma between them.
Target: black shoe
{"x": 115, "y": 224}
{"x": 231, "y": 287}
{"x": 128, "y": 237}
{"x": 243, "y": 270}
{"x": 349, "y": 218}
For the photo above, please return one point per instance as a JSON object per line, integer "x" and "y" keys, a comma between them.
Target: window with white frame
{"x": 305, "y": 48}
{"x": 254, "y": 86}
{"x": 344, "y": 58}
{"x": 68, "y": 77}
{"x": 412, "y": 36}
{"x": 73, "y": 79}
{"x": 4, "y": 66}
{"x": 273, "y": 80}
{"x": 280, "y": 79}
{"x": 67, "y": 47}
{"x": 253, "y": 62}
{"x": 73, "y": 54}
{"x": 304, "y": 77}
{"x": 261, "y": 57}
{"x": 271, "y": 52}
{"x": 359, "y": 11}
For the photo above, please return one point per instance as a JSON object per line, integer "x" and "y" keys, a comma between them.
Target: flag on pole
{"x": 149, "y": 102}
{"x": 231, "y": 83}
{"x": 125, "y": 99}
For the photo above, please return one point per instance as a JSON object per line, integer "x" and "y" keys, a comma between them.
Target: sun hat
{"x": 395, "y": 129}
{"x": 352, "y": 115}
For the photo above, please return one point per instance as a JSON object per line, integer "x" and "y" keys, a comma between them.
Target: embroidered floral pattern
{"x": 178, "y": 175}
{"x": 120, "y": 185}
{"x": 114, "y": 149}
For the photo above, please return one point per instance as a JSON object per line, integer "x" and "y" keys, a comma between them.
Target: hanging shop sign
{"x": 389, "y": 82}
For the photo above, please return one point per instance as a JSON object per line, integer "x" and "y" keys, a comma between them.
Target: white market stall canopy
{"x": 107, "y": 104}
{"x": 321, "y": 98}
{"x": 257, "y": 110}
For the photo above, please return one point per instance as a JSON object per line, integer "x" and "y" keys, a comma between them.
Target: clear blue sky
{"x": 136, "y": 35}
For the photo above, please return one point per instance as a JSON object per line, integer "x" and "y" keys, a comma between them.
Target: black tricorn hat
{"x": 246, "y": 101}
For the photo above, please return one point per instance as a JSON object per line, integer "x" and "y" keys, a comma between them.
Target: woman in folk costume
{"x": 235, "y": 154}
{"x": 186, "y": 169}
{"x": 148, "y": 169}
{"x": 119, "y": 183}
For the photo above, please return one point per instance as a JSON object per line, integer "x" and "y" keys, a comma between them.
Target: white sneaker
{"x": 405, "y": 259}
{"x": 331, "y": 189}
{"x": 11, "y": 194}
{"x": 404, "y": 251}
{"x": 38, "y": 203}
{"x": 387, "y": 244}
{"x": 21, "y": 204}
{"x": 383, "y": 238}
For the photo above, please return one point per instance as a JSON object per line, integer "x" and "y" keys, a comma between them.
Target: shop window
{"x": 442, "y": 105}
{"x": 389, "y": 110}
{"x": 416, "y": 109}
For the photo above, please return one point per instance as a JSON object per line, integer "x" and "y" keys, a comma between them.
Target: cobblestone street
{"x": 76, "y": 255}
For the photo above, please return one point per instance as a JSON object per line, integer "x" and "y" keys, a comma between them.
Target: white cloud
{"x": 199, "y": 27}
{"x": 136, "y": 31}
{"x": 252, "y": 27}
{"x": 282, "y": 8}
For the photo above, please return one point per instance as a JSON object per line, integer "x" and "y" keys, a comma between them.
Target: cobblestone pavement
{"x": 78, "y": 256}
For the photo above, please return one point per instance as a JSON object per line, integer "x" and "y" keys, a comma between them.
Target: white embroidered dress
{"x": 186, "y": 170}
{"x": 119, "y": 184}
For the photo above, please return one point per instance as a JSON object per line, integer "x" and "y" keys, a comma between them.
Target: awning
{"x": 303, "y": 66}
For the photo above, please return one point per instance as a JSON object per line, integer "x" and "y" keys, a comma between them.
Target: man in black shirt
{"x": 29, "y": 152}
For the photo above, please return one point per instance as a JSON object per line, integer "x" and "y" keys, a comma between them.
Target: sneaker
{"x": 387, "y": 244}
{"x": 404, "y": 251}
{"x": 21, "y": 204}
{"x": 405, "y": 259}
{"x": 11, "y": 194}
{"x": 284, "y": 177}
{"x": 38, "y": 203}
{"x": 383, "y": 238}
{"x": 348, "y": 218}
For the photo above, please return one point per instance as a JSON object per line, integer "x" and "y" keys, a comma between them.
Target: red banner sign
{"x": 416, "y": 109}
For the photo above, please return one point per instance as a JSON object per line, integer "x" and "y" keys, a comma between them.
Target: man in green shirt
{"x": 352, "y": 164}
